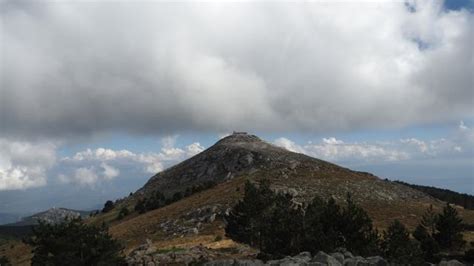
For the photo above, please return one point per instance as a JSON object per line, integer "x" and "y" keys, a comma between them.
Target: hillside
{"x": 240, "y": 157}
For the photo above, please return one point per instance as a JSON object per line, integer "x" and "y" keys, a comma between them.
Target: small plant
{"x": 108, "y": 206}
{"x": 4, "y": 261}
{"x": 123, "y": 212}
{"x": 218, "y": 238}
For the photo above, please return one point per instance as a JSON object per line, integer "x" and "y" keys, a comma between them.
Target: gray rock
{"x": 248, "y": 263}
{"x": 212, "y": 218}
{"x": 229, "y": 262}
{"x": 326, "y": 259}
{"x": 377, "y": 261}
{"x": 356, "y": 261}
{"x": 291, "y": 263}
{"x": 150, "y": 250}
{"x": 338, "y": 256}
{"x": 348, "y": 254}
{"x": 273, "y": 262}
{"x": 303, "y": 256}
{"x": 450, "y": 263}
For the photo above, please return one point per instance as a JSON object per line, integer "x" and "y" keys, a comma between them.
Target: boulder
{"x": 229, "y": 262}
{"x": 212, "y": 218}
{"x": 303, "y": 256}
{"x": 377, "y": 261}
{"x": 348, "y": 255}
{"x": 356, "y": 261}
{"x": 338, "y": 256}
{"x": 248, "y": 263}
{"x": 326, "y": 259}
{"x": 450, "y": 263}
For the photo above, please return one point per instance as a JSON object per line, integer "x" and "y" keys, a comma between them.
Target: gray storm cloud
{"x": 83, "y": 68}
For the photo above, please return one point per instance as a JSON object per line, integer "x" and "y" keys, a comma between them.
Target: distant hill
{"x": 461, "y": 199}
{"x": 53, "y": 215}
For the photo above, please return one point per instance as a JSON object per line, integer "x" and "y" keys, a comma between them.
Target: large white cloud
{"x": 24, "y": 164}
{"x": 81, "y": 68}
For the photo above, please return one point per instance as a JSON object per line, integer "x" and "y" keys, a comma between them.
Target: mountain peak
{"x": 239, "y": 137}
{"x": 235, "y": 155}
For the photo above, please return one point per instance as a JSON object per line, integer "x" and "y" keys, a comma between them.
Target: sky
{"x": 98, "y": 96}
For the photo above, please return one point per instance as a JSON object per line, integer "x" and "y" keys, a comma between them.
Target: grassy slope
{"x": 135, "y": 229}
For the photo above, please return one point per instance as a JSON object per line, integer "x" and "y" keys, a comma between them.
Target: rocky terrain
{"x": 148, "y": 255}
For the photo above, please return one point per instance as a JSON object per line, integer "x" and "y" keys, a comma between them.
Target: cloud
{"x": 109, "y": 171}
{"x": 459, "y": 144}
{"x": 71, "y": 69}
{"x": 91, "y": 166}
{"x": 24, "y": 165}
{"x": 335, "y": 150}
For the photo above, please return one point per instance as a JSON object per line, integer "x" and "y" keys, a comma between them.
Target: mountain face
{"x": 235, "y": 155}
{"x": 242, "y": 154}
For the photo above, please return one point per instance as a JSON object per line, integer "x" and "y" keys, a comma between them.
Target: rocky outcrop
{"x": 148, "y": 255}
{"x": 199, "y": 255}
{"x": 192, "y": 221}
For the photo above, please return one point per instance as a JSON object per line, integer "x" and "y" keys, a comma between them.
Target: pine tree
{"x": 284, "y": 225}
{"x": 425, "y": 232}
{"x": 359, "y": 235}
{"x": 331, "y": 219}
{"x": 449, "y": 227}
{"x": 313, "y": 234}
{"x": 428, "y": 244}
{"x": 428, "y": 220}
{"x": 246, "y": 221}
{"x": 398, "y": 247}
{"x": 73, "y": 243}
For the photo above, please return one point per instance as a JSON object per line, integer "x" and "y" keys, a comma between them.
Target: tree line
{"x": 278, "y": 227}
{"x": 461, "y": 199}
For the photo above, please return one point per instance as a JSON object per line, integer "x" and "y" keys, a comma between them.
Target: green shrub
{"x": 73, "y": 243}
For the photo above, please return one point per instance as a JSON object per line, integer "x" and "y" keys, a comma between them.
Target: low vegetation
{"x": 4, "y": 261}
{"x": 158, "y": 199}
{"x": 278, "y": 226}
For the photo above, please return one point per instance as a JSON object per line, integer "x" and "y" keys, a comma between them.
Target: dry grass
{"x": 17, "y": 252}
{"x": 135, "y": 230}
